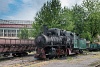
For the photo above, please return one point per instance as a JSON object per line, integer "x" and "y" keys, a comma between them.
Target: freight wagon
{"x": 16, "y": 47}
{"x": 94, "y": 46}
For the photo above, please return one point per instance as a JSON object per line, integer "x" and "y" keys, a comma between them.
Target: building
{"x": 11, "y": 28}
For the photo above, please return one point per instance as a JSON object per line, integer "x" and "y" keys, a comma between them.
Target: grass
{"x": 95, "y": 63}
{"x": 69, "y": 58}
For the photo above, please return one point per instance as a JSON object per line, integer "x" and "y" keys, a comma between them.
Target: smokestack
{"x": 45, "y": 29}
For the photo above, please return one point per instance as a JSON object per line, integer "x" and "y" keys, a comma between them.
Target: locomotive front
{"x": 52, "y": 37}
{"x": 51, "y": 43}
{"x": 56, "y": 42}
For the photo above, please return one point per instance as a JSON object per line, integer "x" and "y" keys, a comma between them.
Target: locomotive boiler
{"x": 53, "y": 37}
{"x": 56, "y": 42}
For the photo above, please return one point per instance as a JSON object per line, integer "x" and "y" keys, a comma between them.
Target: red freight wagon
{"x": 17, "y": 47}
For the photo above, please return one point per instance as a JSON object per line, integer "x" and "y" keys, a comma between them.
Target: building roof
{"x": 15, "y": 25}
{"x": 15, "y": 21}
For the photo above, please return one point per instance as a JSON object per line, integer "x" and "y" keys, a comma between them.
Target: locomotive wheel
{"x": 67, "y": 52}
{"x": 65, "y": 55}
{"x": 51, "y": 57}
{"x": 25, "y": 53}
{"x": 18, "y": 54}
{"x": 6, "y": 55}
{"x": 81, "y": 51}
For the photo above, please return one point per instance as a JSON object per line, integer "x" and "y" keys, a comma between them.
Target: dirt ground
{"x": 17, "y": 61}
{"x": 91, "y": 59}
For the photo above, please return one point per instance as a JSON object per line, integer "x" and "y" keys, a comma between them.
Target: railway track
{"x": 97, "y": 65}
{"x": 30, "y": 61}
{"x": 20, "y": 61}
{"x": 6, "y": 58}
{"x": 11, "y": 57}
{"x": 8, "y": 61}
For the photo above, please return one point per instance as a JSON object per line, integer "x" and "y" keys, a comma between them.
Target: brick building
{"x": 11, "y": 28}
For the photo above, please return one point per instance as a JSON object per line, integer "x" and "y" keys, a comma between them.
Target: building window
{"x": 5, "y": 33}
{"x": 1, "y": 32}
{"x": 13, "y": 33}
{"x": 10, "y": 33}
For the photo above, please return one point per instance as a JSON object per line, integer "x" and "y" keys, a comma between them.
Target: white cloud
{"x": 27, "y": 10}
{"x": 30, "y": 7}
{"x": 69, "y": 3}
{"x": 4, "y": 5}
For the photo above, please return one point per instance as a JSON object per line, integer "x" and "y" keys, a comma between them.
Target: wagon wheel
{"x": 6, "y": 55}
{"x": 24, "y": 53}
{"x": 14, "y": 55}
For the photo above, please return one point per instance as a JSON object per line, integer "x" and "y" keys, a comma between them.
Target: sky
{"x": 26, "y": 9}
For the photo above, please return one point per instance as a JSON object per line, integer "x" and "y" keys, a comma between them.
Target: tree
{"x": 82, "y": 19}
{"x": 67, "y": 19}
{"x": 48, "y": 15}
{"x": 91, "y": 6}
{"x": 24, "y": 34}
{"x": 78, "y": 18}
{"x": 92, "y": 25}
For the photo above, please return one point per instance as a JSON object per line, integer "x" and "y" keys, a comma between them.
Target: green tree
{"x": 67, "y": 19}
{"x": 78, "y": 18}
{"x": 92, "y": 21}
{"x": 91, "y": 6}
{"x": 50, "y": 15}
{"x": 24, "y": 34}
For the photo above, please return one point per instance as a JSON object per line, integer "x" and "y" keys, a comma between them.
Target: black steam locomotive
{"x": 56, "y": 42}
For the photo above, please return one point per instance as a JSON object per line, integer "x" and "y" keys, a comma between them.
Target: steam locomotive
{"x": 56, "y": 42}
